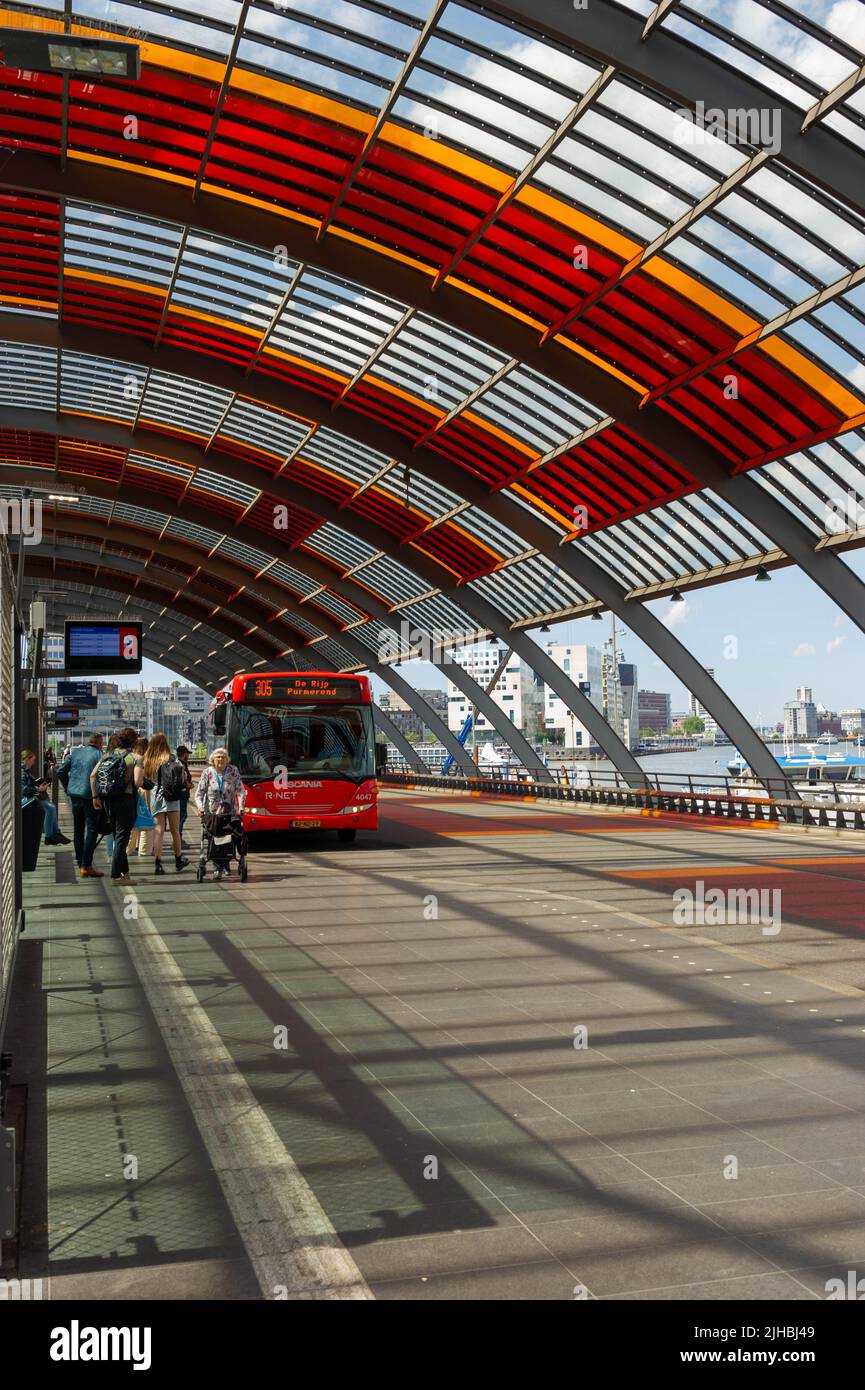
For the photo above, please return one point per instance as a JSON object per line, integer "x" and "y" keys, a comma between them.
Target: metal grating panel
{"x": 8, "y": 809}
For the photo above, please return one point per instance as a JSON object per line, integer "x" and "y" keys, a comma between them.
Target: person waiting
{"x": 122, "y": 804}
{"x": 37, "y": 790}
{"x": 169, "y": 778}
{"x": 74, "y": 774}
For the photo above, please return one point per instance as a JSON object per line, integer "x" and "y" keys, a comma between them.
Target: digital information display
{"x": 63, "y": 718}
{"x": 76, "y": 693}
{"x": 302, "y": 688}
{"x": 104, "y": 649}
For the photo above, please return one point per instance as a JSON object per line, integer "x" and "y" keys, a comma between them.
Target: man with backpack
{"x": 115, "y": 782}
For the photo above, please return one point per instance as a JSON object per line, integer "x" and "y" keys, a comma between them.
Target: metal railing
{"x": 713, "y": 796}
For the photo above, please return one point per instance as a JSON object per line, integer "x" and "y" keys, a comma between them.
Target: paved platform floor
{"x": 502, "y": 1069}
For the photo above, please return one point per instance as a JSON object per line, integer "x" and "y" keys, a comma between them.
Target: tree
{"x": 693, "y": 725}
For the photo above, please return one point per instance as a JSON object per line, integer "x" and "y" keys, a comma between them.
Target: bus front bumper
{"x": 261, "y": 818}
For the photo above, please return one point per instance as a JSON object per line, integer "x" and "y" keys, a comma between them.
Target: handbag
{"x": 143, "y": 819}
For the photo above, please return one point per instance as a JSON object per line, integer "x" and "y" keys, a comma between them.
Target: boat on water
{"x": 826, "y": 740}
{"x": 821, "y": 776}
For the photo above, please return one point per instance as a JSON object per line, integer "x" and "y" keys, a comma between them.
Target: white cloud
{"x": 836, "y": 642}
{"x": 805, "y": 649}
{"x": 678, "y": 614}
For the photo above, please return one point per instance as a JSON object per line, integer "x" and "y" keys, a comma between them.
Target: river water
{"x": 707, "y": 762}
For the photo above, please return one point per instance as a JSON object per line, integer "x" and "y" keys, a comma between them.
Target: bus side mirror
{"x": 219, "y": 715}
{"x": 380, "y": 758}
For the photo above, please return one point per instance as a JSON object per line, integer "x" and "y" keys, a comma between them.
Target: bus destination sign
{"x": 303, "y": 688}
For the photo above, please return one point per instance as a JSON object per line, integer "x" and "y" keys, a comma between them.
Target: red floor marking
{"x": 453, "y": 824}
{"x": 816, "y": 899}
{"x": 541, "y": 822}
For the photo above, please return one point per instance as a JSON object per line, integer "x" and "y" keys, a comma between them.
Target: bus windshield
{"x": 321, "y": 740}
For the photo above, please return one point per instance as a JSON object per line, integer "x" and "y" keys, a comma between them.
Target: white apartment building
{"x": 583, "y": 665}
{"x": 800, "y": 715}
{"x": 528, "y": 703}
{"x": 852, "y": 720}
{"x": 517, "y": 691}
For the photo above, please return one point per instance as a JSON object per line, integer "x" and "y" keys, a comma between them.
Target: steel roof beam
{"x": 109, "y": 536}
{"x": 103, "y": 534}
{"x": 588, "y": 574}
{"x": 214, "y": 676}
{"x": 104, "y": 578}
{"x": 387, "y": 106}
{"x": 824, "y": 567}
{"x": 591, "y": 577}
{"x": 71, "y": 555}
{"x": 607, "y": 32}
{"x": 658, "y": 15}
{"x": 775, "y": 520}
{"x": 615, "y": 282}
{"x": 223, "y": 93}
{"x": 472, "y": 603}
{"x": 431, "y": 718}
{"x": 564, "y": 128}
{"x": 845, "y": 89}
{"x": 399, "y": 740}
{"x": 505, "y": 333}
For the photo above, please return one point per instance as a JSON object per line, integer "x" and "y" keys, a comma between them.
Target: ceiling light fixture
{"x": 32, "y": 50}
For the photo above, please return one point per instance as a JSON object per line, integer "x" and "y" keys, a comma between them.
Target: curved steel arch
{"x": 496, "y": 716}
{"x": 823, "y": 566}
{"x": 211, "y": 676}
{"x": 650, "y": 422}
{"x": 106, "y": 532}
{"x": 193, "y": 606}
{"x": 568, "y": 558}
{"x": 399, "y": 740}
{"x": 270, "y": 653}
{"x": 96, "y": 604}
{"x": 100, "y": 531}
{"x": 434, "y": 574}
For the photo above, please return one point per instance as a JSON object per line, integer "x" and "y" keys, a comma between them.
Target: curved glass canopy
{"x": 620, "y": 301}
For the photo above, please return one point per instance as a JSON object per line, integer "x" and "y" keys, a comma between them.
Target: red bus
{"x": 304, "y": 744}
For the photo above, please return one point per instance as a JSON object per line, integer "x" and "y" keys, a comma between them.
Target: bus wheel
{"x": 346, "y": 836}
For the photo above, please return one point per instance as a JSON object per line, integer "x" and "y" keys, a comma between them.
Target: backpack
{"x": 111, "y": 776}
{"x": 172, "y": 779}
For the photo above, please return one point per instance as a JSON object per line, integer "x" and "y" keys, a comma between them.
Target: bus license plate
{"x": 306, "y": 825}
